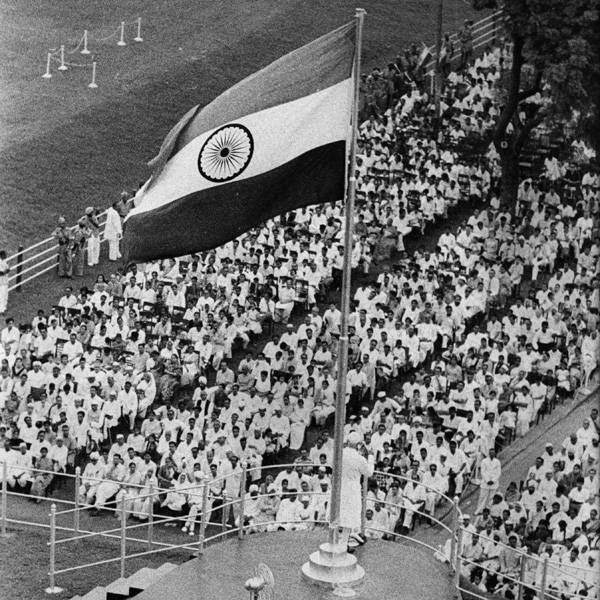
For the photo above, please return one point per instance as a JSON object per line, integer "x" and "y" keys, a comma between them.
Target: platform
{"x": 394, "y": 571}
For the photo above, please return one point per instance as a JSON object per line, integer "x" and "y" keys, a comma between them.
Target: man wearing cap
{"x": 90, "y": 479}
{"x": 111, "y": 480}
{"x": 354, "y": 467}
{"x": 490, "y": 469}
{"x": 21, "y": 469}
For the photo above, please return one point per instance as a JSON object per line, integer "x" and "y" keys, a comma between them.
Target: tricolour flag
{"x": 274, "y": 142}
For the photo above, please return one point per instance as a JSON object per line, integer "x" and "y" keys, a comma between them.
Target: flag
{"x": 274, "y": 142}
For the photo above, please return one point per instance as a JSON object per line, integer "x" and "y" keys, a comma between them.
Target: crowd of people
{"x": 455, "y": 350}
{"x": 553, "y": 518}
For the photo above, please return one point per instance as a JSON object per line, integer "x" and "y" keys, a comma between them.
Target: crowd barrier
{"x": 27, "y": 264}
{"x": 486, "y": 31}
{"x": 62, "y": 55}
{"x": 536, "y": 573}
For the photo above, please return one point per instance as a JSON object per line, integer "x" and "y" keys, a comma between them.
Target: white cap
{"x": 354, "y": 438}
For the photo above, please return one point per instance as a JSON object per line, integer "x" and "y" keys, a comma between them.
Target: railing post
{"x": 544, "y": 579}
{"x": 203, "y": 517}
{"x": 123, "y": 535}
{"x": 242, "y": 501}
{"x": 53, "y": 589}
{"x": 4, "y": 498}
{"x": 363, "y": 512}
{"x": 458, "y": 561}
{"x": 224, "y": 513}
{"x": 151, "y": 517}
{"x": 454, "y": 528}
{"x": 524, "y": 559}
{"x": 19, "y": 268}
{"x": 77, "y": 491}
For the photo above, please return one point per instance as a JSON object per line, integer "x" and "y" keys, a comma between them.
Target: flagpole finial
{"x": 360, "y": 12}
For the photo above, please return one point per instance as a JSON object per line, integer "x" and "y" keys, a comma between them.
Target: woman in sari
{"x": 267, "y": 504}
{"x": 43, "y": 475}
{"x": 176, "y": 499}
{"x": 141, "y": 503}
{"x": 129, "y": 490}
{"x": 299, "y": 419}
{"x": 170, "y": 378}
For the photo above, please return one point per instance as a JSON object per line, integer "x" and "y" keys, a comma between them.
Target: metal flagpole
{"x": 342, "y": 368}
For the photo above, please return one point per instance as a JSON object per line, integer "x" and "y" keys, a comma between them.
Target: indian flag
{"x": 274, "y": 142}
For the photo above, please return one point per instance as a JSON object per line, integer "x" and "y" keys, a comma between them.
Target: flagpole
{"x": 342, "y": 367}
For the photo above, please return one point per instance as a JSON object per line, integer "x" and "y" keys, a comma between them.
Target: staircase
{"x": 128, "y": 587}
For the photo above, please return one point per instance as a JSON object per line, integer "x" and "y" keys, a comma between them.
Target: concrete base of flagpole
{"x": 332, "y": 567}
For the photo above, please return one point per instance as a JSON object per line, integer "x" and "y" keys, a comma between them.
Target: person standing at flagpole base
{"x": 354, "y": 466}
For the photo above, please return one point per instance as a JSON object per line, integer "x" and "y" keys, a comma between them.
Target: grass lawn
{"x": 64, "y": 146}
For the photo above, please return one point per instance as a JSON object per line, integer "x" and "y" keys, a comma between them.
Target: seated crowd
{"x": 553, "y": 517}
{"x": 454, "y": 350}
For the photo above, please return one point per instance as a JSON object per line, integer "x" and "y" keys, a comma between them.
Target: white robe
{"x": 354, "y": 465}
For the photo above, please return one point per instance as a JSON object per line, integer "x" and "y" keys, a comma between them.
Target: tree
{"x": 553, "y": 77}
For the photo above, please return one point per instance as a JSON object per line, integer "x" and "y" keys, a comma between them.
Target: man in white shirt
{"x": 490, "y": 469}
{"x": 4, "y": 271}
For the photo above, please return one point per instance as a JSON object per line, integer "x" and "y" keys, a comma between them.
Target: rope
{"x": 104, "y": 39}
{"x": 76, "y": 47}
{"x": 83, "y": 66}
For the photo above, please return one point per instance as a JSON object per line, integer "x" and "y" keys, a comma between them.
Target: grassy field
{"x": 63, "y": 146}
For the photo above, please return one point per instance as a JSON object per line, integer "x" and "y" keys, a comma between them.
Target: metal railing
{"x": 27, "y": 264}
{"x": 537, "y": 573}
{"x": 485, "y": 31}
{"x": 533, "y": 570}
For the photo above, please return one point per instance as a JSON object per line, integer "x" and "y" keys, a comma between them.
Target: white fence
{"x": 26, "y": 264}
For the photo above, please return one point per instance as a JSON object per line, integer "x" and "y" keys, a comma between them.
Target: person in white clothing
{"x": 354, "y": 466}
{"x": 113, "y": 232}
{"x": 4, "y": 270}
{"x": 490, "y": 477}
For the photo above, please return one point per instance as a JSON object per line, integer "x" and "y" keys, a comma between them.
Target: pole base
{"x": 47, "y": 76}
{"x": 120, "y": 43}
{"x": 54, "y": 590}
{"x": 93, "y": 85}
{"x": 332, "y": 567}
{"x": 63, "y": 68}
{"x": 85, "y": 51}
{"x": 343, "y": 592}
{"x": 138, "y": 39}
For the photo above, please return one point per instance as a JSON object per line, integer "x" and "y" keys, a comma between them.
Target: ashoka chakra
{"x": 226, "y": 153}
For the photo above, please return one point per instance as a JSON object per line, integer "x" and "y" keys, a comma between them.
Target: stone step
{"x": 332, "y": 560}
{"x": 142, "y": 580}
{"x": 332, "y": 577}
{"x": 97, "y": 593}
{"x": 332, "y": 549}
{"x": 165, "y": 568}
{"x": 118, "y": 590}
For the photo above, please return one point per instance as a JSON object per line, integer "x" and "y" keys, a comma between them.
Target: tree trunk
{"x": 509, "y": 161}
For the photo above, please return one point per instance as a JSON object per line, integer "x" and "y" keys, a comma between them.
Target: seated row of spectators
{"x": 553, "y": 516}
